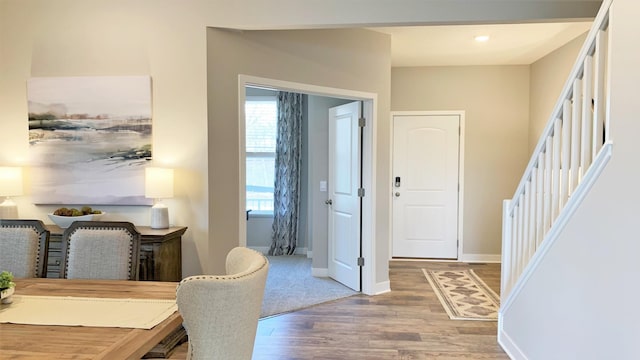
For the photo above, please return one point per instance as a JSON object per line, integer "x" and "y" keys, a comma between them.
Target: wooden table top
{"x": 78, "y": 342}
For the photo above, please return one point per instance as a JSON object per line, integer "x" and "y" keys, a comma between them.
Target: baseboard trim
{"x": 468, "y": 258}
{"x": 507, "y": 344}
{"x": 481, "y": 258}
{"x": 310, "y": 254}
{"x": 382, "y": 287}
{"x": 319, "y": 272}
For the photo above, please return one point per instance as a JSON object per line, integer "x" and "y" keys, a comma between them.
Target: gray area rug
{"x": 290, "y": 286}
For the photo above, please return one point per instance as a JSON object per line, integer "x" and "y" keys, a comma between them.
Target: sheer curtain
{"x": 286, "y": 193}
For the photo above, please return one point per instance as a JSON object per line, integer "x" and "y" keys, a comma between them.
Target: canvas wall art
{"x": 89, "y": 139}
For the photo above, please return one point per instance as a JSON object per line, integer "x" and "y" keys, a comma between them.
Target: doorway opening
{"x": 369, "y": 100}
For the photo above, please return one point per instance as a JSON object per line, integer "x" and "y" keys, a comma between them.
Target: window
{"x": 261, "y": 114}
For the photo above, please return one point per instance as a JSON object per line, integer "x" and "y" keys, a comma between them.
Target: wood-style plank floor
{"x": 406, "y": 323}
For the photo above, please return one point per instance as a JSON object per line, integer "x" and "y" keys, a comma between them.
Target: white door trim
{"x": 369, "y": 285}
{"x": 461, "y": 114}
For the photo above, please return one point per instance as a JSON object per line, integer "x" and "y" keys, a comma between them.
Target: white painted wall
{"x": 496, "y": 102}
{"x": 582, "y": 301}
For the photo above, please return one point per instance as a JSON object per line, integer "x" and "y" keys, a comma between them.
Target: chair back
{"x": 101, "y": 250}
{"x": 24, "y": 248}
{"x": 221, "y": 313}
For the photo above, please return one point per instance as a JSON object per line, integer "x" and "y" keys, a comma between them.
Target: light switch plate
{"x": 323, "y": 186}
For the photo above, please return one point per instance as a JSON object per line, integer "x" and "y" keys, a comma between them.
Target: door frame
{"x": 461, "y": 114}
{"x": 368, "y": 249}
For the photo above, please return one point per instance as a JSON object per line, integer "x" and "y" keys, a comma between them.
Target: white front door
{"x": 425, "y": 186}
{"x": 343, "y": 201}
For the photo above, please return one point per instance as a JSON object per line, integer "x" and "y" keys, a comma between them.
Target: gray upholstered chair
{"x": 24, "y": 245}
{"x": 221, "y": 312}
{"x": 100, "y": 250}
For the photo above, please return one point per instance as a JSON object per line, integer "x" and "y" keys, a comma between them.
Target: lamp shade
{"x": 10, "y": 181}
{"x": 158, "y": 183}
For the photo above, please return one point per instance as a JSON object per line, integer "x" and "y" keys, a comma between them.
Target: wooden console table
{"x": 160, "y": 253}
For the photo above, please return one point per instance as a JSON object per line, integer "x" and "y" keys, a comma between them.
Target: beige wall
{"x": 352, "y": 59}
{"x": 67, "y": 38}
{"x": 167, "y": 40}
{"x": 496, "y": 102}
{"x": 548, "y": 77}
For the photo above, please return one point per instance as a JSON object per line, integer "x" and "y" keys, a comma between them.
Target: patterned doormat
{"x": 464, "y": 295}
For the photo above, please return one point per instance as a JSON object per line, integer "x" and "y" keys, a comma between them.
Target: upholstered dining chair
{"x": 221, "y": 313}
{"x": 24, "y": 246}
{"x": 100, "y": 250}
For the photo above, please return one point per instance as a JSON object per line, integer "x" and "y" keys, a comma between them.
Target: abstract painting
{"x": 89, "y": 139}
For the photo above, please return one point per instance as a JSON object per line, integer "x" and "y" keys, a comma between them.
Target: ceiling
{"x": 509, "y": 44}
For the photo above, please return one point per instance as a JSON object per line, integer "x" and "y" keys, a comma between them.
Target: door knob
{"x": 397, "y": 194}
{"x": 328, "y": 202}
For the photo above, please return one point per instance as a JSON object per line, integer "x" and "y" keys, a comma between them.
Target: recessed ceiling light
{"x": 482, "y": 38}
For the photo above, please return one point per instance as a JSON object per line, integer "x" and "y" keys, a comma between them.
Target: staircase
{"x": 571, "y": 153}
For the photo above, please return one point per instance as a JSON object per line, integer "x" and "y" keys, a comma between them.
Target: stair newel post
{"x": 507, "y": 267}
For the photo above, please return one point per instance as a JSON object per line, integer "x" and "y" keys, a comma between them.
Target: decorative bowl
{"x": 64, "y": 221}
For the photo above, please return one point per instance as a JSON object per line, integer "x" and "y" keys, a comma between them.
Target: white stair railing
{"x": 572, "y": 139}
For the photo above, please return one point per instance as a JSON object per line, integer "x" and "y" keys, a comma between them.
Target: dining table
{"x": 21, "y": 341}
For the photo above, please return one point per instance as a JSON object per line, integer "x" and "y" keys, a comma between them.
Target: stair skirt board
{"x": 508, "y": 345}
{"x": 572, "y": 205}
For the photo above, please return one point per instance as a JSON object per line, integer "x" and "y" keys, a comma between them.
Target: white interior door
{"x": 343, "y": 201}
{"x": 425, "y": 186}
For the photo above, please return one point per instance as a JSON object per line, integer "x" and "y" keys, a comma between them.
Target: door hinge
{"x": 361, "y": 192}
{"x": 360, "y": 261}
{"x": 362, "y": 122}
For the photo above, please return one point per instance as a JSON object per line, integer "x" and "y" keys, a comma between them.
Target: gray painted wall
{"x": 318, "y": 140}
{"x": 313, "y": 215}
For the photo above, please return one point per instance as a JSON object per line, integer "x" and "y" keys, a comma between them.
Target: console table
{"x": 160, "y": 253}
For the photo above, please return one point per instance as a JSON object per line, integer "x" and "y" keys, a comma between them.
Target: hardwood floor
{"x": 406, "y": 323}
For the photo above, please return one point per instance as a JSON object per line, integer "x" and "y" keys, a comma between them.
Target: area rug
{"x": 464, "y": 295}
{"x": 290, "y": 286}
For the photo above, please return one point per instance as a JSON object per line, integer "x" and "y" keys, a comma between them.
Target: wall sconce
{"x": 159, "y": 185}
{"x": 10, "y": 185}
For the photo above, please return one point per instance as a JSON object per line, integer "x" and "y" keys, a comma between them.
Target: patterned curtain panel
{"x": 286, "y": 193}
